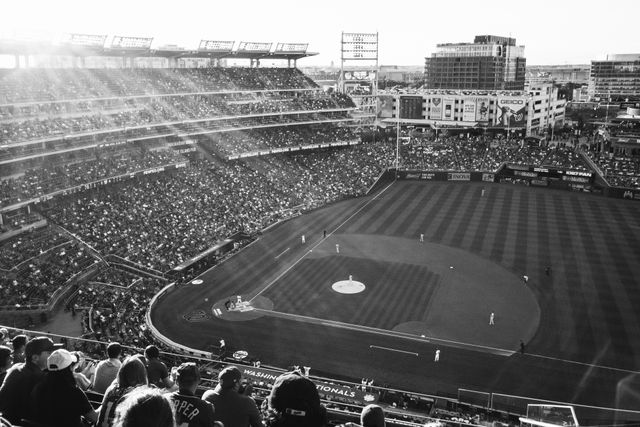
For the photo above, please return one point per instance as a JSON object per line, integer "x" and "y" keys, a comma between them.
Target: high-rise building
{"x": 489, "y": 63}
{"x": 616, "y": 78}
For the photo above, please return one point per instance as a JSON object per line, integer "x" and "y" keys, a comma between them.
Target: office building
{"x": 489, "y": 63}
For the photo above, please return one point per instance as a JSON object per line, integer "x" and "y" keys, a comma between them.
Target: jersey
{"x": 192, "y": 411}
{"x": 112, "y": 397}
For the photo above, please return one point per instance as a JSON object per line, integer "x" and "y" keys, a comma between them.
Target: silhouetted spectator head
{"x": 19, "y": 342}
{"x": 372, "y": 416}
{"x": 145, "y": 407}
{"x": 229, "y": 377}
{"x": 188, "y": 376}
{"x": 151, "y": 352}
{"x": 132, "y": 373}
{"x": 38, "y": 350}
{"x": 4, "y": 335}
{"x": 114, "y": 350}
{"x": 294, "y": 401}
{"x": 6, "y": 359}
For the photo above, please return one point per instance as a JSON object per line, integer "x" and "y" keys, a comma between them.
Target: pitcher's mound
{"x": 348, "y": 287}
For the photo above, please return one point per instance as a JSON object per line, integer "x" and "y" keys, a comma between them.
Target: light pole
{"x": 397, "y": 134}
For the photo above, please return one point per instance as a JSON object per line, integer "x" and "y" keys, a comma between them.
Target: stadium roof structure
{"x": 283, "y": 51}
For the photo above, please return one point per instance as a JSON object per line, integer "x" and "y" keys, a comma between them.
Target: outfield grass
{"x": 581, "y": 323}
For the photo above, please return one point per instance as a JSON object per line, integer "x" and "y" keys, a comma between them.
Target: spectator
{"x": 232, "y": 408}
{"x": 56, "y": 400}
{"x": 190, "y": 410}
{"x": 132, "y": 374}
{"x": 294, "y": 402}
{"x": 372, "y": 416}
{"x": 107, "y": 369}
{"x": 157, "y": 371}
{"x": 22, "y": 378}
{"x": 145, "y": 407}
{"x": 6, "y": 360}
{"x": 81, "y": 371}
{"x": 19, "y": 342}
{"x": 4, "y": 336}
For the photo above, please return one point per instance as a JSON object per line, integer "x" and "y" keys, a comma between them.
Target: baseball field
{"x": 371, "y": 300}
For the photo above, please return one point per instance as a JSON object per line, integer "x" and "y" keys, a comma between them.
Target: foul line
{"x": 394, "y": 349}
{"x": 317, "y": 244}
{"x": 431, "y": 340}
{"x": 386, "y": 332}
{"x": 282, "y": 253}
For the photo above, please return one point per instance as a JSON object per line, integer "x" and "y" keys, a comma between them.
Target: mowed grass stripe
{"x": 614, "y": 295}
{"x": 465, "y": 214}
{"x": 413, "y": 205}
{"x": 545, "y": 291}
{"x": 591, "y": 280}
{"x": 425, "y": 219}
{"x": 402, "y": 296}
{"x": 574, "y": 297}
{"x": 489, "y": 209}
{"x": 624, "y": 289}
{"x": 525, "y": 243}
{"x": 494, "y": 240}
{"x": 438, "y": 213}
{"x": 367, "y": 213}
{"x": 626, "y": 221}
{"x": 474, "y": 220}
{"x": 561, "y": 323}
{"x": 431, "y": 283}
{"x": 506, "y": 254}
{"x": 455, "y": 206}
{"x": 412, "y": 217}
{"x": 378, "y": 219}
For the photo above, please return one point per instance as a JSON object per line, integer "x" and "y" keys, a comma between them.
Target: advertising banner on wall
{"x": 385, "y": 106}
{"x": 469, "y": 110}
{"x": 511, "y": 111}
{"x": 482, "y": 110}
{"x": 448, "y": 109}
{"x": 436, "y": 109}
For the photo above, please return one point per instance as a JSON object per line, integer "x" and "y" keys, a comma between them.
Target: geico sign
{"x": 512, "y": 101}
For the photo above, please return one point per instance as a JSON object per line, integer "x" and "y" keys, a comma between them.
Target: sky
{"x": 552, "y": 31}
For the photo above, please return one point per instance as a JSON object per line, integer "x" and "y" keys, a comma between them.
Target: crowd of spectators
{"x": 115, "y": 277}
{"x": 477, "y": 153}
{"x": 24, "y": 85}
{"x": 161, "y": 221}
{"x": 618, "y": 170}
{"x": 197, "y": 390}
{"x": 35, "y": 282}
{"x": 27, "y": 245}
{"x": 49, "y": 178}
{"x": 112, "y": 313}
{"x": 237, "y": 142}
{"x": 64, "y": 120}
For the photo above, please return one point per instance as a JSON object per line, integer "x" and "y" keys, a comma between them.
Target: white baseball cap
{"x": 60, "y": 359}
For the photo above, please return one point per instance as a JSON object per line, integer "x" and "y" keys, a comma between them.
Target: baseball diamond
{"x": 419, "y": 297}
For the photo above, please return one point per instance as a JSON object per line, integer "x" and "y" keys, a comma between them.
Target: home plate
{"x": 348, "y": 287}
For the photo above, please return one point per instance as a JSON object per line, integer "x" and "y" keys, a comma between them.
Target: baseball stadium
{"x": 242, "y": 215}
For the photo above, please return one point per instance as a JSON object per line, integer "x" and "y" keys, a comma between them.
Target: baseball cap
{"x": 187, "y": 373}
{"x": 229, "y": 376}
{"x": 60, "y": 359}
{"x": 372, "y": 416}
{"x": 295, "y": 395}
{"x": 37, "y": 345}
